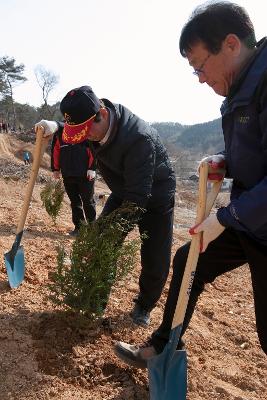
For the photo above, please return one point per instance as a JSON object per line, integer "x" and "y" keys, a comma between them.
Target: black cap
{"x": 79, "y": 105}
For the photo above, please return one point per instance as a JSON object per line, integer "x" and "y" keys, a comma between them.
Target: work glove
{"x": 216, "y": 162}
{"x": 56, "y": 174}
{"x": 49, "y": 127}
{"x": 91, "y": 174}
{"x": 211, "y": 229}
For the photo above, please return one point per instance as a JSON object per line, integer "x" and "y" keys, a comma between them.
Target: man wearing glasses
{"x": 219, "y": 43}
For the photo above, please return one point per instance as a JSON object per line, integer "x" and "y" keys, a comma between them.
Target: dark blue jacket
{"x": 133, "y": 162}
{"x": 244, "y": 122}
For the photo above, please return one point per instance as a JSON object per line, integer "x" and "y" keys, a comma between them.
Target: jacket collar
{"x": 115, "y": 115}
{"x": 245, "y": 85}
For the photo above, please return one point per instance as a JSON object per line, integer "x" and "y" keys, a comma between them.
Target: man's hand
{"x": 91, "y": 174}
{"x": 56, "y": 174}
{"x": 211, "y": 229}
{"x": 49, "y": 127}
{"x": 216, "y": 166}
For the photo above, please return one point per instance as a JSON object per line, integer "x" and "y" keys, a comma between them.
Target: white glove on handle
{"x": 216, "y": 162}
{"x": 217, "y": 159}
{"x": 91, "y": 174}
{"x": 211, "y": 229}
{"x": 50, "y": 127}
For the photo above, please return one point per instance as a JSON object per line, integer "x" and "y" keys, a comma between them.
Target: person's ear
{"x": 232, "y": 44}
{"x": 104, "y": 113}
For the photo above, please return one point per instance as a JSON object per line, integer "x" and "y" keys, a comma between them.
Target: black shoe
{"x": 140, "y": 316}
{"x": 74, "y": 233}
{"x": 135, "y": 356}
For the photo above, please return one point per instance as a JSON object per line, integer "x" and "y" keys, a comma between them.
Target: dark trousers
{"x": 157, "y": 223}
{"x": 81, "y": 194}
{"x": 229, "y": 251}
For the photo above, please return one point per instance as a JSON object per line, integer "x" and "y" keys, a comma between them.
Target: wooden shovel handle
{"x": 204, "y": 206}
{"x": 39, "y": 148}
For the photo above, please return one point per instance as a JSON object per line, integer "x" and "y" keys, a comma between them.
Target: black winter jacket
{"x": 244, "y": 122}
{"x": 133, "y": 162}
{"x": 73, "y": 160}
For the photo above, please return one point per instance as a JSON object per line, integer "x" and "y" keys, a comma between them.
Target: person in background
{"x": 134, "y": 164}
{"x": 76, "y": 163}
{"x": 4, "y": 127}
{"x": 26, "y": 157}
{"x": 219, "y": 43}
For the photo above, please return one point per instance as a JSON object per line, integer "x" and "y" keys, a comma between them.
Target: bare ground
{"x": 47, "y": 353}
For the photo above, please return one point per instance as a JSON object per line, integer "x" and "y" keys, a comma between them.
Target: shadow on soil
{"x": 64, "y": 346}
{"x": 9, "y": 230}
{"x": 70, "y": 347}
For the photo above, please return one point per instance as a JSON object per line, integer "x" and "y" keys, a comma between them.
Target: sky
{"x": 126, "y": 50}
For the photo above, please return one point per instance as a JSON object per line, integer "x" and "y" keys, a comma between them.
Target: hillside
{"x": 46, "y": 353}
{"x": 198, "y": 138}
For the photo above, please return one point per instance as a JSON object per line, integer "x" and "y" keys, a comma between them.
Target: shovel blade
{"x": 168, "y": 376}
{"x": 15, "y": 267}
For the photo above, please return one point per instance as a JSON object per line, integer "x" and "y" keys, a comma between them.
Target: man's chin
{"x": 219, "y": 91}
{"x": 91, "y": 138}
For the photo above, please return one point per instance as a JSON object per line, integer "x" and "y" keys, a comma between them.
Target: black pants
{"x": 157, "y": 223}
{"x": 229, "y": 251}
{"x": 81, "y": 194}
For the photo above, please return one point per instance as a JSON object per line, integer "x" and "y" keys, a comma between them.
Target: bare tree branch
{"x": 47, "y": 80}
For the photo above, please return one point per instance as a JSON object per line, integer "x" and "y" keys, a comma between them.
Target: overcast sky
{"x": 127, "y": 50}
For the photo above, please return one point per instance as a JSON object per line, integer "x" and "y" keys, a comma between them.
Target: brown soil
{"x": 47, "y": 353}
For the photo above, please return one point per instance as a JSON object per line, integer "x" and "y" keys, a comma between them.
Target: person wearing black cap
{"x": 134, "y": 164}
{"x": 76, "y": 163}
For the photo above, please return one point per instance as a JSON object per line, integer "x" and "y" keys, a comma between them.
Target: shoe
{"x": 135, "y": 356}
{"x": 140, "y": 316}
{"x": 74, "y": 233}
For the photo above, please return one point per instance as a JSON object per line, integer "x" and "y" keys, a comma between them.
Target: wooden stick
{"x": 204, "y": 206}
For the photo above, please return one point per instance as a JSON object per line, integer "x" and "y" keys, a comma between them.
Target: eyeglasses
{"x": 200, "y": 70}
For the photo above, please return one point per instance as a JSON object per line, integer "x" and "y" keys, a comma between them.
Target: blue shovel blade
{"x": 15, "y": 267}
{"x": 168, "y": 371}
{"x": 168, "y": 381}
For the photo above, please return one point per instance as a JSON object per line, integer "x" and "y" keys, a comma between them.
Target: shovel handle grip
{"x": 204, "y": 206}
{"x": 39, "y": 148}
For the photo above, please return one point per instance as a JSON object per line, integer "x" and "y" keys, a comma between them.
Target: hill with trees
{"x": 204, "y": 137}
{"x": 186, "y": 144}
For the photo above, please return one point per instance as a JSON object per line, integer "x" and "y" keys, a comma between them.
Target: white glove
{"x": 56, "y": 174}
{"x": 211, "y": 229}
{"x": 50, "y": 127}
{"x": 91, "y": 174}
{"x": 216, "y": 162}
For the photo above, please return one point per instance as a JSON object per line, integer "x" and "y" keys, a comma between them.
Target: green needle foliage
{"x": 100, "y": 256}
{"x": 52, "y": 197}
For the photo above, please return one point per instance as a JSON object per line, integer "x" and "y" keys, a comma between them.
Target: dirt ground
{"x": 47, "y": 353}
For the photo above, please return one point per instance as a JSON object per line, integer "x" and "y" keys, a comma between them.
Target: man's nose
{"x": 202, "y": 77}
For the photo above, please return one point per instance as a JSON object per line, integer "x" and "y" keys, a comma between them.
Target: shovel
{"x": 14, "y": 259}
{"x": 168, "y": 371}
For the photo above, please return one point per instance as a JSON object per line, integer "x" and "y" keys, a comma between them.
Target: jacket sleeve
{"x": 91, "y": 157}
{"x": 249, "y": 211}
{"x": 125, "y": 210}
{"x": 139, "y": 166}
{"x": 55, "y": 153}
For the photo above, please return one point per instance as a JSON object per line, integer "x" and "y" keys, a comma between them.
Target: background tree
{"x": 27, "y": 116}
{"x": 47, "y": 80}
{"x": 10, "y": 75}
{"x": 3, "y": 87}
